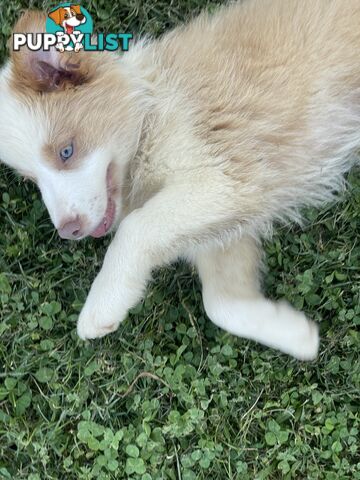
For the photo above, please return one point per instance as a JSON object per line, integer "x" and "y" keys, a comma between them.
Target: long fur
{"x": 213, "y": 132}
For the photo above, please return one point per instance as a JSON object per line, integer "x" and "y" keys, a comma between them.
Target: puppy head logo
{"x": 69, "y": 19}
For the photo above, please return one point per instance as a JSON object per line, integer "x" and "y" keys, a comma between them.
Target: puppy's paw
{"x": 96, "y": 322}
{"x": 303, "y": 343}
{"x": 78, "y": 47}
{"x": 310, "y": 348}
{"x": 60, "y": 47}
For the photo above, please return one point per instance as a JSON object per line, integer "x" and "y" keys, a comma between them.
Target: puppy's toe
{"x": 89, "y": 329}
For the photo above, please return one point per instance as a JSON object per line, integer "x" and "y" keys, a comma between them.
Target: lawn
{"x": 170, "y": 396}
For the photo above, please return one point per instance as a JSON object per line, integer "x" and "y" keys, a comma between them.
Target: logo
{"x": 69, "y": 23}
{"x": 69, "y": 27}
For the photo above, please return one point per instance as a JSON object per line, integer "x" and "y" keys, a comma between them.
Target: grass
{"x": 170, "y": 396}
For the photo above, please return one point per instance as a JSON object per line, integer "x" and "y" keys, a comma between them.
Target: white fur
{"x": 66, "y": 193}
{"x": 233, "y": 301}
{"x": 75, "y": 192}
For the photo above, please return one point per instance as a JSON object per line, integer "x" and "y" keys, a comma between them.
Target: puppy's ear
{"x": 76, "y": 8}
{"x": 46, "y": 71}
{"x": 56, "y": 16}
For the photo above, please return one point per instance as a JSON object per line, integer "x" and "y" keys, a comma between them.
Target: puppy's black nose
{"x": 80, "y": 17}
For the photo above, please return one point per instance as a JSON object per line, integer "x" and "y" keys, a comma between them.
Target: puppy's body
{"x": 202, "y": 139}
{"x": 268, "y": 92}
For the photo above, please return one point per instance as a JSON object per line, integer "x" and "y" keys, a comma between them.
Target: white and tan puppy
{"x": 192, "y": 146}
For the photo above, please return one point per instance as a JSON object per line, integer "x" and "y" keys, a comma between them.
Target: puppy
{"x": 192, "y": 146}
{"x": 68, "y": 18}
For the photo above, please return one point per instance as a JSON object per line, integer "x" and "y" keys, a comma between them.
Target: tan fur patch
{"x": 33, "y": 72}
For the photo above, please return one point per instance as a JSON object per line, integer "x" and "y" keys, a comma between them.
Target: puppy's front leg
{"x": 149, "y": 237}
{"x": 78, "y": 47}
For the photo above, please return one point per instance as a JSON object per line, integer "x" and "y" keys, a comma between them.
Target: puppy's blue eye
{"x": 66, "y": 152}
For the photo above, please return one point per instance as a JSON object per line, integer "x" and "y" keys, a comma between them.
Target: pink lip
{"x": 108, "y": 219}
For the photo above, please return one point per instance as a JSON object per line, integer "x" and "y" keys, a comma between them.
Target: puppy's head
{"x": 68, "y": 17}
{"x": 70, "y": 122}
